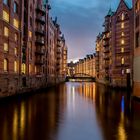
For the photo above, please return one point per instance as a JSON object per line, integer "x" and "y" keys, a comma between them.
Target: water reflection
{"x": 71, "y": 111}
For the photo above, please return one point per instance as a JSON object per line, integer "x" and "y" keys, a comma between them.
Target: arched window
{"x": 5, "y": 66}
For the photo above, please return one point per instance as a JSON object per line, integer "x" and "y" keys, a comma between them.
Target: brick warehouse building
{"x": 24, "y": 46}
{"x": 136, "y": 5}
{"x": 121, "y": 44}
{"x": 118, "y": 46}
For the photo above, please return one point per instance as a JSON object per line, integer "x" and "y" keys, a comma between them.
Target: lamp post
{"x": 128, "y": 81}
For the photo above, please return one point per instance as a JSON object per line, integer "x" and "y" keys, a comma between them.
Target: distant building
{"x": 100, "y": 69}
{"x": 70, "y": 69}
{"x": 86, "y": 66}
{"x": 136, "y": 5}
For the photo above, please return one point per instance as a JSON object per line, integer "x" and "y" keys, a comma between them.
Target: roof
{"x": 110, "y": 12}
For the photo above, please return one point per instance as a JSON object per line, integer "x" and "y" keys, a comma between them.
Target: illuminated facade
{"x": 121, "y": 45}
{"x": 28, "y": 46}
{"x": 86, "y": 66}
{"x": 136, "y": 5}
{"x": 100, "y": 57}
{"x": 118, "y": 47}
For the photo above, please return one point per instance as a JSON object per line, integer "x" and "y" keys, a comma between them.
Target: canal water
{"x": 71, "y": 111}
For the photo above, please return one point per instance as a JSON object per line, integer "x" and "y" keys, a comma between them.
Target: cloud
{"x": 80, "y": 22}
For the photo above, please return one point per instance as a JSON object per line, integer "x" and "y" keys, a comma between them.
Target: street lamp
{"x": 128, "y": 72}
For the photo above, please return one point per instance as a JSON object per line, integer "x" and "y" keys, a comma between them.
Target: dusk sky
{"x": 81, "y": 21}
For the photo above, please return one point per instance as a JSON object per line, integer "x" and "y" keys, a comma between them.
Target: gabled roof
{"x": 129, "y": 6}
{"x": 110, "y": 12}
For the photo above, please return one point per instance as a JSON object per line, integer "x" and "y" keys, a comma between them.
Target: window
{"x": 122, "y": 34}
{"x": 122, "y": 50}
{"x": 6, "y": 2}
{"x": 16, "y": 23}
{"x": 6, "y": 31}
{"x": 30, "y": 34}
{"x": 23, "y": 68}
{"x": 122, "y": 41}
{"x": 15, "y": 66}
{"x": 15, "y": 50}
{"x": 15, "y": 8}
{"x": 6, "y": 16}
{"x": 122, "y": 25}
{"x": 122, "y": 16}
{"x": 16, "y": 37}
{"x": 122, "y": 61}
{"x": 5, "y": 66}
{"x": 6, "y": 47}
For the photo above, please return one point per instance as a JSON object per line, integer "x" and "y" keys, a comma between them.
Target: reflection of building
{"x": 117, "y": 50}
{"x": 28, "y": 46}
{"x": 86, "y": 66}
{"x": 136, "y": 4}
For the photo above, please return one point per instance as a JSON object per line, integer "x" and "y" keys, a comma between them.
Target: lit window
{"x": 15, "y": 50}
{"x": 122, "y": 50}
{"x": 122, "y": 61}
{"x": 30, "y": 34}
{"x": 6, "y": 31}
{"x": 16, "y": 37}
{"x": 5, "y": 16}
{"x": 122, "y": 25}
{"x": 16, "y": 23}
{"x": 15, "y": 66}
{"x": 122, "y": 34}
{"x": 122, "y": 16}
{"x": 23, "y": 68}
{"x": 5, "y": 66}
{"x": 122, "y": 42}
{"x": 6, "y": 47}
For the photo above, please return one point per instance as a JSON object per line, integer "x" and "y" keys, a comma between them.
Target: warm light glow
{"x": 30, "y": 34}
{"x": 122, "y": 41}
{"x": 15, "y": 49}
{"x": 122, "y": 61}
{"x": 122, "y": 17}
{"x": 23, "y": 68}
{"x": 6, "y": 47}
{"x": 5, "y": 66}
{"x": 16, "y": 37}
{"x": 16, "y": 23}
{"x": 6, "y": 31}
{"x": 5, "y": 16}
{"x": 122, "y": 34}
{"x": 15, "y": 66}
{"x": 122, "y": 25}
{"x": 122, "y": 50}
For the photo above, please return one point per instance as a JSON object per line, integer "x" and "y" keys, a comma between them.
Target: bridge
{"x": 80, "y": 77}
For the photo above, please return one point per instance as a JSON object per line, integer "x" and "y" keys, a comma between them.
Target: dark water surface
{"x": 71, "y": 111}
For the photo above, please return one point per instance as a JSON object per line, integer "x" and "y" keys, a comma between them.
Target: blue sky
{"x": 81, "y": 21}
